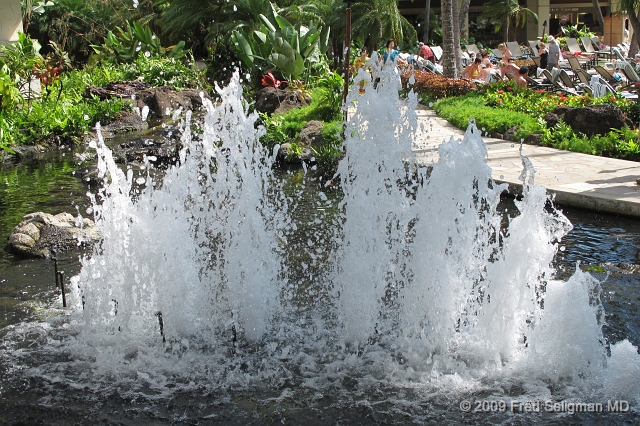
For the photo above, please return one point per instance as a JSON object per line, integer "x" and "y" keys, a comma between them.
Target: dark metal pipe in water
{"x": 64, "y": 297}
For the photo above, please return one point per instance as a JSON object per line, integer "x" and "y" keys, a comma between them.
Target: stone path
{"x": 580, "y": 180}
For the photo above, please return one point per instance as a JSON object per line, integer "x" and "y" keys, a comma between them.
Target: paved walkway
{"x": 580, "y": 180}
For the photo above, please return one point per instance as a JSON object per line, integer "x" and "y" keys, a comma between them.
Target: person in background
{"x": 473, "y": 70}
{"x": 426, "y": 53}
{"x": 554, "y": 53}
{"x": 636, "y": 62}
{"x": 544, "y": 55}
{"x": 486, "y": 60}
{"x": 358, "y": 63}
{"x": 390, "y": 53}
{"x": 506, "y": 53}
{"x": 361, "y": 60}
{"x": 507, "y": 68}
{"x": 519, "y": 77}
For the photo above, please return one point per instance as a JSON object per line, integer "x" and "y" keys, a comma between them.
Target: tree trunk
{"x": 633, "y": 45}
{"x": 448, "y": 51}
{"x": 635, "y": 24}
{"x": 427, "y": 12}
{"x": 598, "y": 12}
{"x": 456, "y": 36}
{"x": 464, "y": 14}
{"x": 506, "y": 22}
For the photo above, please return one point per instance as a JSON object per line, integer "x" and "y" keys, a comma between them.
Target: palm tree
{"x": 377, "y": 20}
{"x": 427, "y": 12}
{"x": 448, "y": 46}
{"x": 633, "y": 8}
{"x": 506, "y": 13}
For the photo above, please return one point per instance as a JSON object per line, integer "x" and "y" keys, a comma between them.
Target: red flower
{"x": 500, "y": 92}
{"x": 612, "y": 98}
{"x": 268, "y": 80}
{"x": 499, "y": 100}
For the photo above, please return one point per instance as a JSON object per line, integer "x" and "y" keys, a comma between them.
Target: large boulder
{"x": 39, "y": 234}
{"x": 161, "y": 101}
{"x": 590, "y": 120}
{"x": 310, "y": 137}
{"x": 274, "y": 100}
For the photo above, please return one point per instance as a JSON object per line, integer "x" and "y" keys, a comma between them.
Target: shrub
{"x": 461, "y": 109}
{"x": 436, "y": 86}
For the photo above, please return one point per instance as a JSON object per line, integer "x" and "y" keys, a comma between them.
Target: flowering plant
{"x": 268, "y": 80}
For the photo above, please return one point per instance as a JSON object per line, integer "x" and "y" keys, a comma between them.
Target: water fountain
{"x": 409, "y": 298}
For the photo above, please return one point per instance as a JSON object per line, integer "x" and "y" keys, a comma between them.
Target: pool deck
{"x": 578, "y": 180}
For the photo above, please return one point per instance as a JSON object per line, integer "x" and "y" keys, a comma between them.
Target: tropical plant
{"x": 77, "y": 24}
{"x": 9, "y": 94}
{"x": 378, "y": 20}
{"x": 506, "y": 13}
{"x": 278, "y": 44}
{"x": 133, "y": 41}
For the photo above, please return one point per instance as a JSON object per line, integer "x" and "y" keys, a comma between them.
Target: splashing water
{"x": 424, "y": 298}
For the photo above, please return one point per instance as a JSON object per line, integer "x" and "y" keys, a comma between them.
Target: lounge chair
{"x": 533, "y": 45}
{"x": 574, "y": 47}
{"x": 535, "y": 84}
{"x": 553, "y": 78}
{"x": 600, "y": 87}
{"x": 607, "y": 76}
{"x": 590, "y": 47}
{"x": 575, "y": 63}
{"x": 514, "y": 47}
{"x": 569, "y": 85}
{"x": 473, "y": 48}
{"x": 437, "y": 52}
{"x": 582, "y": 76}
{"x": 618, "y": 55}
{"x": 628, "y": 71}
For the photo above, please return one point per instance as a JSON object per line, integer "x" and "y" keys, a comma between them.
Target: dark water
{"x": 609, "y": 245}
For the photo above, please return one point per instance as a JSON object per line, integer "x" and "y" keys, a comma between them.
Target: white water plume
{"x": 429, "y": 292}
{"x": 196, "y": 254}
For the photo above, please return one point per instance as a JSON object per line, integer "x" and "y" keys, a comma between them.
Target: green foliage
{"x": 137, "y": 39}
{"x": 10, "y": 96}
{"x": 618, "y": 143}
{"x": 329, "y": 94}
{"x": 164, "y": 72}
{"x": 285, "y": 128}
{"x": 461, "y": 109}
{"x": 278, "y": 44}
{"x": 500, "y": 106}
{"x": 51, "y": 118}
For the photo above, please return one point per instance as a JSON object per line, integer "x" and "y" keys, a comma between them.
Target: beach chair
{"x": 569, "y": 85}
{"x": 535, "y": 84}
{"x": 600, "y": 87}
{"x": 574, "y": 47}
{"x": 582, "y": 76}
{"x": 533, "y": 45}
{"x": 628, "y": 71}
{"x": 514, "y": 47}
{"x": 576, "y": 64}
{"x": 590, "y": 47}
{"x": 607, "y": 76}
{"x": 437, "y": 52}
{"x": 617, "y": 54}
{"x": 473, "y": 48}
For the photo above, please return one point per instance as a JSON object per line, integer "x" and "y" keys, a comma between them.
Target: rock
{"x": 510, "y": 134}
{"x": 497, "y": 135}
{"x": 272, "y": 100}
{"x": 534, "y": 139}
{"x": 126, "y": 122}
{"x": 287, "y": 155}
{"x": 164, "y": 101}
{"x": 40, "y": 233}
{"x": 590, "y": 120}
{"x": 311, "y": 134}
